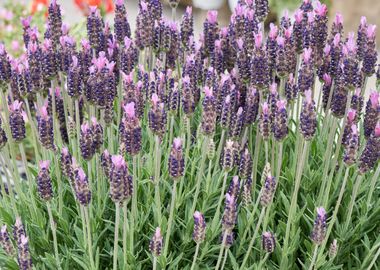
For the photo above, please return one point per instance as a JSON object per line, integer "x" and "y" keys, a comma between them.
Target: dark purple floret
{"x": 66, "y": 52}
{"x": 210, "y": 31}
{"x": 361, "y": 41}
{"x": 157, "y": 116}
{"x": 5, "y": 66}
{"x": 320, "y": 225}
{"x": 176, "y": 160}
{"x": 187, "y": 26}
{"x": 236, "y": 124}
{"x": 243, "y": 61}
{"x": 371, "y": 153}
{"x": 55, "y": 22}
{"x": 18, "y": 230}
{"x": 128, "y": 56}
{"x": 48, "y": 60}
{"x": 336, "y": 52}
{"x": 326, "y": 89}
{"x": 245, "y": 165}
{"x": 86, "y": 142}
{"x": 74, "y": 79}
{"x": 306, "y": 72}
{"x": 308, "y": 117}
{"x": 357, "y": 102}
{"x": 82, "y": 189}
{"x": 264, "y": 121}
{"x": 44, "y": 184}
{"x": 268, "y": 190}
{"x": 291, "y": 88}
{"x": 45, "y": 129}
{"x": 199, "y": 232}
{"x": 234, "y": 188}
{"x": 155, "y": 245}
{"x": 17, "y": 122}
{"x": 280, "y": 125}
{"x": 268, "y": 242}
{"x": 372, "y": 114}
{"x": 26, "y": 27}
{"x": 5, "y": 241}
{"x": 130, "y": 130}
{"x": 350, "y": 63}
{"x": 320, "y": 29}
{"x": 271, "y": 46}
{"x": 261, "y": 9}
{"x": 352, "y": 119}
{"x": 97, "y": 134}
{"x": 228, "y": 156}
{"x": 144, "y": 26}
{"x": 337, "y": 26}
{"x": 251, "y": 106}
{"x": 24, "y": 259}
{"x": 66, "y": 163}
{"x": 121, "y": 24}
{"x": 106, "y": 163}
{"x": 95, "y": 25}
{"x": 260, "y": 70}
{"x": 21, "y": 83}
{"x": 339, "y": 97}
{"x": 208, "y": 122}
{"x": 351, "y": 148}
{"x": 230, "y": 213}
{"x": 370, "y": 54}
{"x": 120, "y": 186}
{"x": 3, "y": 138}
{"x": 323, "y": 68}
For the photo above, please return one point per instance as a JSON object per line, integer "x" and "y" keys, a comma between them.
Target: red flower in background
{"x": 36, "y": 4}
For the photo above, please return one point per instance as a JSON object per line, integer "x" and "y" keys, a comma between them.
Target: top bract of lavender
{"x": 114, "y": 96}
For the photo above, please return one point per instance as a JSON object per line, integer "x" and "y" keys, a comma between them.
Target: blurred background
{"x": 73, "y": 11}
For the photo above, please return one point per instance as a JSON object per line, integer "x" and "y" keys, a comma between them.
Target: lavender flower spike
{"x": 308, "y": 118}
{"x": 23, "y": 258}
{"x": 44, "y": 184}
{"x": 17, "y": 121}
{"x": 268, "y": 242}
{"x": 199, "y": 232}
{"x": 268, "y": 190}
{"x": 371, "y": 152}
{"x": 319, "y": 230}
{"x": 82, "y": 189}
{"x": 155, "y": 245}
{"x": 45, "y": 128}
{"x": 5, "y": 241}
{"x": 176, "y": 160}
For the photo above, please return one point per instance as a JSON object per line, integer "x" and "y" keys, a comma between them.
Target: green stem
{"x": 200, "y": 174}
{"x": 89, "y": 241}
{"x": 134, "y": 203}
{"x": 279, "y": 160}
{"x": 374, "y": 179}
{"x": 77, "y": 123}
{"x": 314, "y": 258}
{"x": 293, "y": 204}
{"x": 125, "y": 230}
{"x": 225, "y": 258}
{"x": 352, "y": 202}
{"x": 215, "y": 221}
{"x": 335, "y": 213}
{"x": 222, "y": 247}
{"x": 54, "y": 232}
{"x": 154, "y": 263}
{"x": 195, "y": 256}
{"x": 374, "y": 260}
{"x": 248, "y": 252}
{"x": 157, "y": 181}
{"x": 170, "y": 221}
{"x": 256, "y": 156}
{"x": 262, "y": 262}
{"x": 116, "y": 234}
{"x": 219, "y": 150}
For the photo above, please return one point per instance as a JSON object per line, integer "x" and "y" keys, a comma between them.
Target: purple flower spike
{"x": 5, "y": 241}
{"x": 17, "y": 121}
{"x": 155, "y": 245}
{"x": 176, "y": 160}
{"x": 230, "y": 213}
{"x": 24, "y": 259}
{"x": 268, "y": 242}
{"x": 268, "y": 190}
{"x": 82, "y": 189}
{"x": 199, "y": 232}
{"x": 44, "y": 184}
{"x": 351, "y": 149}
{"x": 66, "y": 163}
{"x": 209, "y": 112}
{"x": 370, "y": 54}
{"x": 372, "y": 114}
{"x": 264, "y": 125}
{"x": 319, "y": 231}
{"x": 308, "y": 117}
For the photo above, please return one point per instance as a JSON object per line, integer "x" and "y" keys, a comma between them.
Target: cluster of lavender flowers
{"x": 99, "y": 104}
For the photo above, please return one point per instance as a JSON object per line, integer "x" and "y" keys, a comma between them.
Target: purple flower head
{"x": 82, "y": 189}
{"x": 155, "y": 245}
{"x": 320, "y": 9}
{"x": 319, "y": 230}
{"x": 199, "y": 232}
{"x": 268, "y": 242}
{"x": 5, "y": 241}
{"x": 273, "y": 32}
{"x": 307, "y": 55}
{"x": 44, "y": 164}
{"x": 371, "y": 31}
{"x": 268, "y": 190}
{"x": 258, "y": 40}
{"x": 26, "y": 21}
{"x": 212, "y": 16}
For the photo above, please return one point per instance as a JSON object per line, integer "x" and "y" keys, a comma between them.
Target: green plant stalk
{"x": 195, "y": 256}
{"x": 34, "y": 130}
{"x": 256, "y": 157}
{"x": 200, "y": 173}
{"x": 327, "y": 111}
{"x": 374, "y": 179}
{"x": 335, "y": 213}
{"x": 374, "y": 260}
{"x": 222, "y": 247}
{"x": 170, "y": 221}
{"x": 279, "y": 160}
{"x": 263, "y": 261}
{"x": 116, "y": 235}
{"x": 249, "y": 224}
{"x": 134, "y": 203}
{"x": 352, "y": 202}
{"x": 215, "y": 221}
{"x": 16, "y": 174}
{"x": 54, "y": 232}
{"x": 225, "y": 258}
{"x": 326, "y": 160}
{"x": 157, "y": 181}
{"x": 77, "y": 123}
{"x": 89, "y": 241}
{"x": 266, "y": 151}
{"x": 125, "y": 230}
{"x": 314, "y": 258}
{"x": 293, "y": 204}
{"x": 59, "y": 184}
{"x": 98, "y": 180}
{"x": 219, "y": 150}
{"x": 171, "y": 130}
{"x": 7, "y": 176}
{"x": 154, "y": 262}
{"x": 245, "y": 137}
{"x": 248, "y": 252}
{"x": 336, "y": 154}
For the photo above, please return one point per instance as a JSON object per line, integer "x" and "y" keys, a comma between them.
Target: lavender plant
{"x": 106, "y": 139}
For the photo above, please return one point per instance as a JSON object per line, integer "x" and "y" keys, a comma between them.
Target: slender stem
{"x": 374, "y": 260}
{"x": 134, "y": 203}
{"x": 249, "y": 224}
{"x": 352, "y": 202}
{"x": 256, "y": 156}
{"x": 293, "y": 204}
{"x": 314, "y": 258}
{"x": 200, "y": 174}
{"x": 171, "y": 129}
{"x": 157, "y": 181}
{"x": 89, "y": 241}
{"x": 34, "y": 129}
{"x": 54, "y": 232}
{"x": 266, "y": 151}
{"x": 279, "y": 160}
{"x": 77, "y": 123}
{"x": 245, "y": 137}
{"x": 335, "y": 213}
{"x": 154, "y": 263}
{"x": 263, "y": 261}
{"x": 170, "y": 221}
{"x": 225, "y": 258}
{"x": 125, "y": 230}
{"x": 248, "y": 252}
{"x": 195, "y": 256}
{"x": 326, "y": 160}
{"x": 217, "y": 212}
{"x": 374, "y": 179}
{"x": 116, "y": 234}
{"x": 110, "y": 139}
{"x": 219, "y": 150}
{"x": 222, "y": 247}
